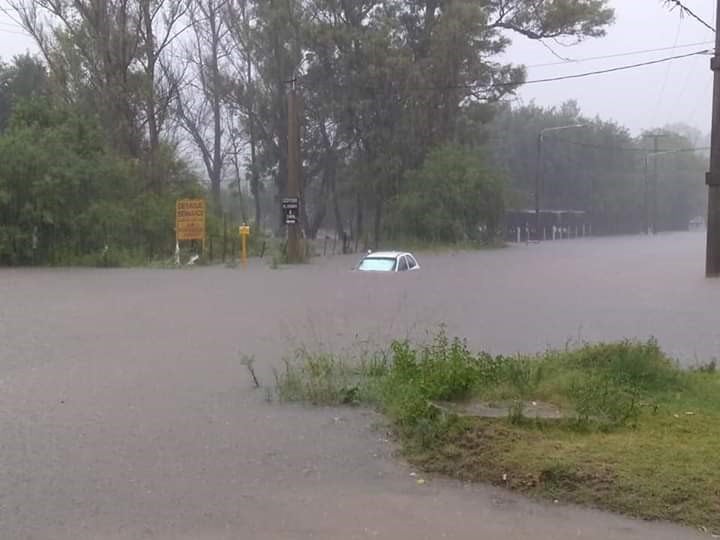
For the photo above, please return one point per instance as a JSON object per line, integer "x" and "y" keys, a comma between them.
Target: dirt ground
{"x": 125, "y": 412}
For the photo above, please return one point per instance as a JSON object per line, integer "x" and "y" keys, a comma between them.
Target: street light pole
{"x": 539, "y": 169}
{"x": 651, "y": 224}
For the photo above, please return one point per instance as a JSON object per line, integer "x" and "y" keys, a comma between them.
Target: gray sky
{"x": 678, "y": 91}
{"x": 647, "y": 97}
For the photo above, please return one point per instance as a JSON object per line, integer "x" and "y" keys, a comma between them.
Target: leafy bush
{"x": 444, "y": 370}
{"x": 598, "y": 399}
{"x": 65, "y": 195}
{"x": 629, "y": 364}
{"x": 451, "y": 198}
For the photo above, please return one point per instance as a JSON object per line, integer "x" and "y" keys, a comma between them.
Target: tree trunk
{"x": 359, "y": 225}
{"x": 150, "y": 105}
{"x": 217, "y": 119}
{"x": 254, "y": 176}
{"x": 378, "y": 222}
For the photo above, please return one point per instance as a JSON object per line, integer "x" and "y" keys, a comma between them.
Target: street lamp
{"x": 539, "y": 168}
{"x": 648, "y": 229}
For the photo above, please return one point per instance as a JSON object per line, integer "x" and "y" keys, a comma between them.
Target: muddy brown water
{"x": 125, "y": 412}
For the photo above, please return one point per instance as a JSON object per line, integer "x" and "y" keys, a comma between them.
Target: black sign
{"x": 290, "y": 217}
{"x": 291, "y": 209}
{"x": 290, "y": 203}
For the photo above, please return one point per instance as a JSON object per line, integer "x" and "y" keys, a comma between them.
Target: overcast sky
{"x": 678, "y": 91}
{"x": 647, "y": 97}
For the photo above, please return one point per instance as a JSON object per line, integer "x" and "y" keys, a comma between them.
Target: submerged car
{"x": 388, "y": 261}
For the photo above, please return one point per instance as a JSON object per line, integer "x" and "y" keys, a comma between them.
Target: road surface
{"x": 126, "y": 414}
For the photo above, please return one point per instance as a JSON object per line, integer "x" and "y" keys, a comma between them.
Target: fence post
{"x": 224, "y": 248}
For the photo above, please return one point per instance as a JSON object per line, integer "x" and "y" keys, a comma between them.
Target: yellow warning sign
{"x": 190, "y": 219}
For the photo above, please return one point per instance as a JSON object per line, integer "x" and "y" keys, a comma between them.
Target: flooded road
{"x": 125, "y": 412}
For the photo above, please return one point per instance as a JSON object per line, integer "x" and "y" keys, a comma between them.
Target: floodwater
{"x": 126, "y": 413}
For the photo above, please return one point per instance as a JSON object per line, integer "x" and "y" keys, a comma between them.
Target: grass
{"x": 662, "y": 468}
{"x": 638, "y": 435}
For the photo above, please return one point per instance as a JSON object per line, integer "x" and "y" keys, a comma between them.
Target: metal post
{"x": 539, "y": 169}
{"x": 654, "y": 188}
{"x": 646, "y": 205}
{"x": 224, "y": 248}
{"x": 712, "y": 261}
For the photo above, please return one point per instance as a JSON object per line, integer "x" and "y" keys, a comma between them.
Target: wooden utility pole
{"x": 650, "y": 198}
{"x": 293, "y": 180}
{"x": 712, "y": 264}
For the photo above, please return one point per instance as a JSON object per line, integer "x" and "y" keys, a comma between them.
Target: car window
{"x": 377, "y": 264}
{"x": 412, "y": 263}
{"x": 402, "y": 265}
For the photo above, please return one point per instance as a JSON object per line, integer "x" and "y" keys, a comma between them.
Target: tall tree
{"x": 105, "y": 55}
{"x": 200, "y": 106}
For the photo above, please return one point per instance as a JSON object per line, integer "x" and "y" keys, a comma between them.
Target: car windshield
{"x": 377, "y": 264}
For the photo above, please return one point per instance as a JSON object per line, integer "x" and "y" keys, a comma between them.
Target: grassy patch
{"x": 323, "y": 378}
{"x": 637, "y": 435}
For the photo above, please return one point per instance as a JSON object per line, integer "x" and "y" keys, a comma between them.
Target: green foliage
{"x": 599, "y": 169}
{"x": 450, "y": 198}
{"x": 639, "y": 434}
{"x": 318, "y": 378}
{"x": 630, "y": 364}
{"x": 366, "y": 124}
{"x": 419, "y": 378}
{"x": 24, "y": 78}
{"x": 602, "y": 386}
{"x": 65, "y": 198}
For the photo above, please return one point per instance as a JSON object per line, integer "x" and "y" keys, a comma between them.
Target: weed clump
{"x": 634, "y": 433}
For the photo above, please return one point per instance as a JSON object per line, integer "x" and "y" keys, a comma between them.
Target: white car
{"x": 388, "y": 261}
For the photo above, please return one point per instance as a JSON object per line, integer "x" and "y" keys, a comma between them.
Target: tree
{"x": 65, "y": 194}
{"x": 243, "y": 94}
{"x": 25, "y": 77}
{"x": 454, "y": 196}
{"x": 200, "y": 105}
{"x": 407, "y": 74}
{"x": 105, "y": 56}
{"x": 599, "y": 169}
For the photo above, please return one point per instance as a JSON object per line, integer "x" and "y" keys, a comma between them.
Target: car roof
{"x": 386, "y": 254}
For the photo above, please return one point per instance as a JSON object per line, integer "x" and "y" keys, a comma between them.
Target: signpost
{"x": 244, "y": 233}
{"x": 190, "y": 219}
{"x": 291, "y": 209}
{"x": 189, "y": 222}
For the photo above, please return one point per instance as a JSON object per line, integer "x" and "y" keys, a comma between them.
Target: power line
{"x": 686, "y": 10}
{"x": 598, "y": 72}
{"x": 7, "y": 31}
{"x": 661, "y": 95}
{"x": 621, "y": 148}
{"x": 478, "y": 86}
{"x": 619, "y": 55}
{"x": 597, "y": 146}
{"x": 555, "y": 53}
